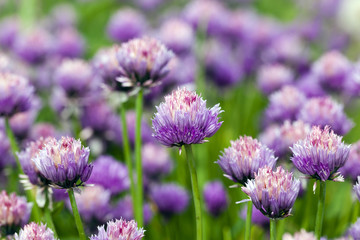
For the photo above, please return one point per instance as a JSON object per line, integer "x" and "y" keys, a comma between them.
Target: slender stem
{"x": 77, "y": 217}
{"x": 13, "y": 144}
{"x": 139, "y": 187}
{"x": 280, "y": 229}
{"x": 272, "y": 229}
{"x": 47, "y": 213}
{"x": 248, "y": 221}
{"x": 127, "y": 151}
{"x": 195, "y": 190}
{"x": 320, "y": 210}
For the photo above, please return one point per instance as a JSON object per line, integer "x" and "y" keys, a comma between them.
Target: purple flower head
{"x": 284, "y": 104}
{"x": 146, "y": 132}
{"x": 170, "y": 198}
{"x": 281, "y": 138}
{"x": 93, "y": 203}
{"x": 354, "y": 230}
{"x": 184, "y": 119}
{"x": 215, "y": 198}
{"x": 302, "y": 235}
{"x": 97, "y": 115}
{"x": 126, "y": 24}
{"x": 320, "y": 154}
{"x": 332, "y": 69}
{"x": 272, "y": 77}
{"x": 6, "y": 157}
{"x": 34, "y": 231}
{"x": 182, "y": 71}
{"x": 64, "y": 15}
{"x": 75, "y": 77}
{"x": 357, "y": 188}
{"x": 14, "y": 212}
{"x": 111, "y": 174}
{"x": 243, "y": 159}
{"x": 124, "y": 209}
{"x": 256, "y": 217}
{"x": 119, "y": 229}
{"x": 324, "y": 111}
{"x": 351, "y": 169}
{"x": 64, "y": 162}
{"x": 352, "y": 84}
{"x": 69, "y": 43}
{"x": 24, "y": 46}
{"x": 273, "y": 192}
{"x": 177, "y": 35}
{"x": 310, "y": 86}
{"x": 27, "y": 164}
{"x": 143, "y": 62}
{"x": 44, "y": 130}
{"x": 9, "y": 28}
{"x": 15, "y": 94}
{"x": 156, "y": 161}
{"x": 148, "y": 5}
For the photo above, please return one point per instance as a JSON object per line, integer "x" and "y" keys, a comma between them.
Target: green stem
{"x": 355, "y": 213}
{"x": 139, "y": 186}
{"x": 13, "y": 144}
{"x": 248, "y": 221}
{"x": 77, "y": 217}
{"x": 272, "y": 229}
{"x": 320, "y": 210}
{"x": 47, "y": 213}
{"x": 127, "y": 152}
{"x": 280, "y": 230}
{"x": 195, "y": 190}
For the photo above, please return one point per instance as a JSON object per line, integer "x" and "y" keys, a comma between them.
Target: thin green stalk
{"x": 139, "y": 186}
{"x": 248, "y": 221}
{"x": 77, "y": 217}
{"x": 127, "y": 151}
{"x": 306, "y": 204}
{"x": 195, "y": 190}
{"x": 272, "y": 229}
{"x": 355, "y": 213}
{"x": 47, "y": 213}
{"x": 280, "y": 229}
{"x": 320, "y": 210}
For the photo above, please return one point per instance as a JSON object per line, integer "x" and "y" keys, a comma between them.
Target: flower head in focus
{"x": 34, "y": 231}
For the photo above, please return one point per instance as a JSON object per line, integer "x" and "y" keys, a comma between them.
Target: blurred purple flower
{"x": 215, "y": 198}
{"x": 243, "y": 159}
{"x": 148, "y": 5}
{"x": 310, "y": 86}
{"x": 42, "y": 130}
{"x": 35, "y": 231}
{"x": 124, "y": 209}
{"x": 351, "y": 169}
{"x": 320, "y": 154}
{"x": 302, "y": 235}
{"x": 64, "y": 15}
{"x": 6, "y": 157}
{"x": 352, "y": 83}
{"x": 69, "y": 43}
{"x": 119, "y": 229}
{"x": 146, "y": 132}
{"x": 354, "y": 230}
{"x": 156, "y": 161}
{"x": 272, "y": 77}
{"x": 9, "y": 28}
{"x": 106, "y": 65}
{"x": 256, "y": 217}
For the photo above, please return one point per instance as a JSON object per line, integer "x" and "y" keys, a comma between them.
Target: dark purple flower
{"x": 184, "y": 119}
{"x": 9, "y": 28}
{"x": 14, "y": 212}
{"x": 284, "y": 104}
{"x": 119, "y": 229}
{"x": 143, "y": 62}
{"x": 351, "y": 169}
{"x": 64, "y": 163}
{"x": 272, "y": 77}
{"x": 34, "y": 231}
{"x": 332, "y": 69}
{"x": 243, "y": 159}
{"x": 215, "y": 198}
{"x": 273, "y": 192}
{"x": 256, "y": 217}
{"x": 111, "y": 174}
{"x": 170, "y": 198}
{"x": 15, "y": 94}
{"x": 156, "y": 161}
{"x": 126, "y": 24}
{"x": 69, "y": 43}
{"x": 320, "y": 154}
{"x": 310, "y": 86}
{"x": 124, "y": 209}
{"x": 324, "y": 111}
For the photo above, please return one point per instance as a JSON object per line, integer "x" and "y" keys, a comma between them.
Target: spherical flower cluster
{"x": 9, "y": 30}
{"x": 14, "y": 212}
{"x": 156, "y": 161}
{"x": 64, "y": 162}
{"x": 351, "y": 169}
{"x": 273, "y": 192}
{"x": 169, "y": 198}
{"x": 284, "y": 104}
{"x": 34, "y": 231}
{"x": 332, "y": 69}
{"x": 119, "y": 229}
{"x": 15, "y": 94}
{"x": 352, "y": 84}
{"x": 272, "y": 77}
{"x": 302, "y": 235}
{"x": 354, "y": 230}
{"x": 325, "y": 111}
{"x": 356, "y": 188}
{"x": 320, "y": 154}
{"x": 281, "y": 138}
{"x": 215, "y": 198}
{"x": 126, "y": 24}
{"x": 111, "y": 174}
{"x": 143, "y": 62}
{"x": 106, "y": 65}
{"x": 69, "y": 43}
{"x": 243, "y": 159}
{"x": 184, "y": 119}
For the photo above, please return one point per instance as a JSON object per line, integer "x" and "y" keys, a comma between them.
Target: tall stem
{"x": 195, "y": 190}
{"x": 77, "y": 217}
{"x": 320, "y": 210}
{"x": 280, "y": 229}
{"x": 47, "y": 213}
{"x": 272, "y": 229}
{"x": 127, "y": 152}
{"x": 139, "y": 187}
{"x": 248, "y": 220}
